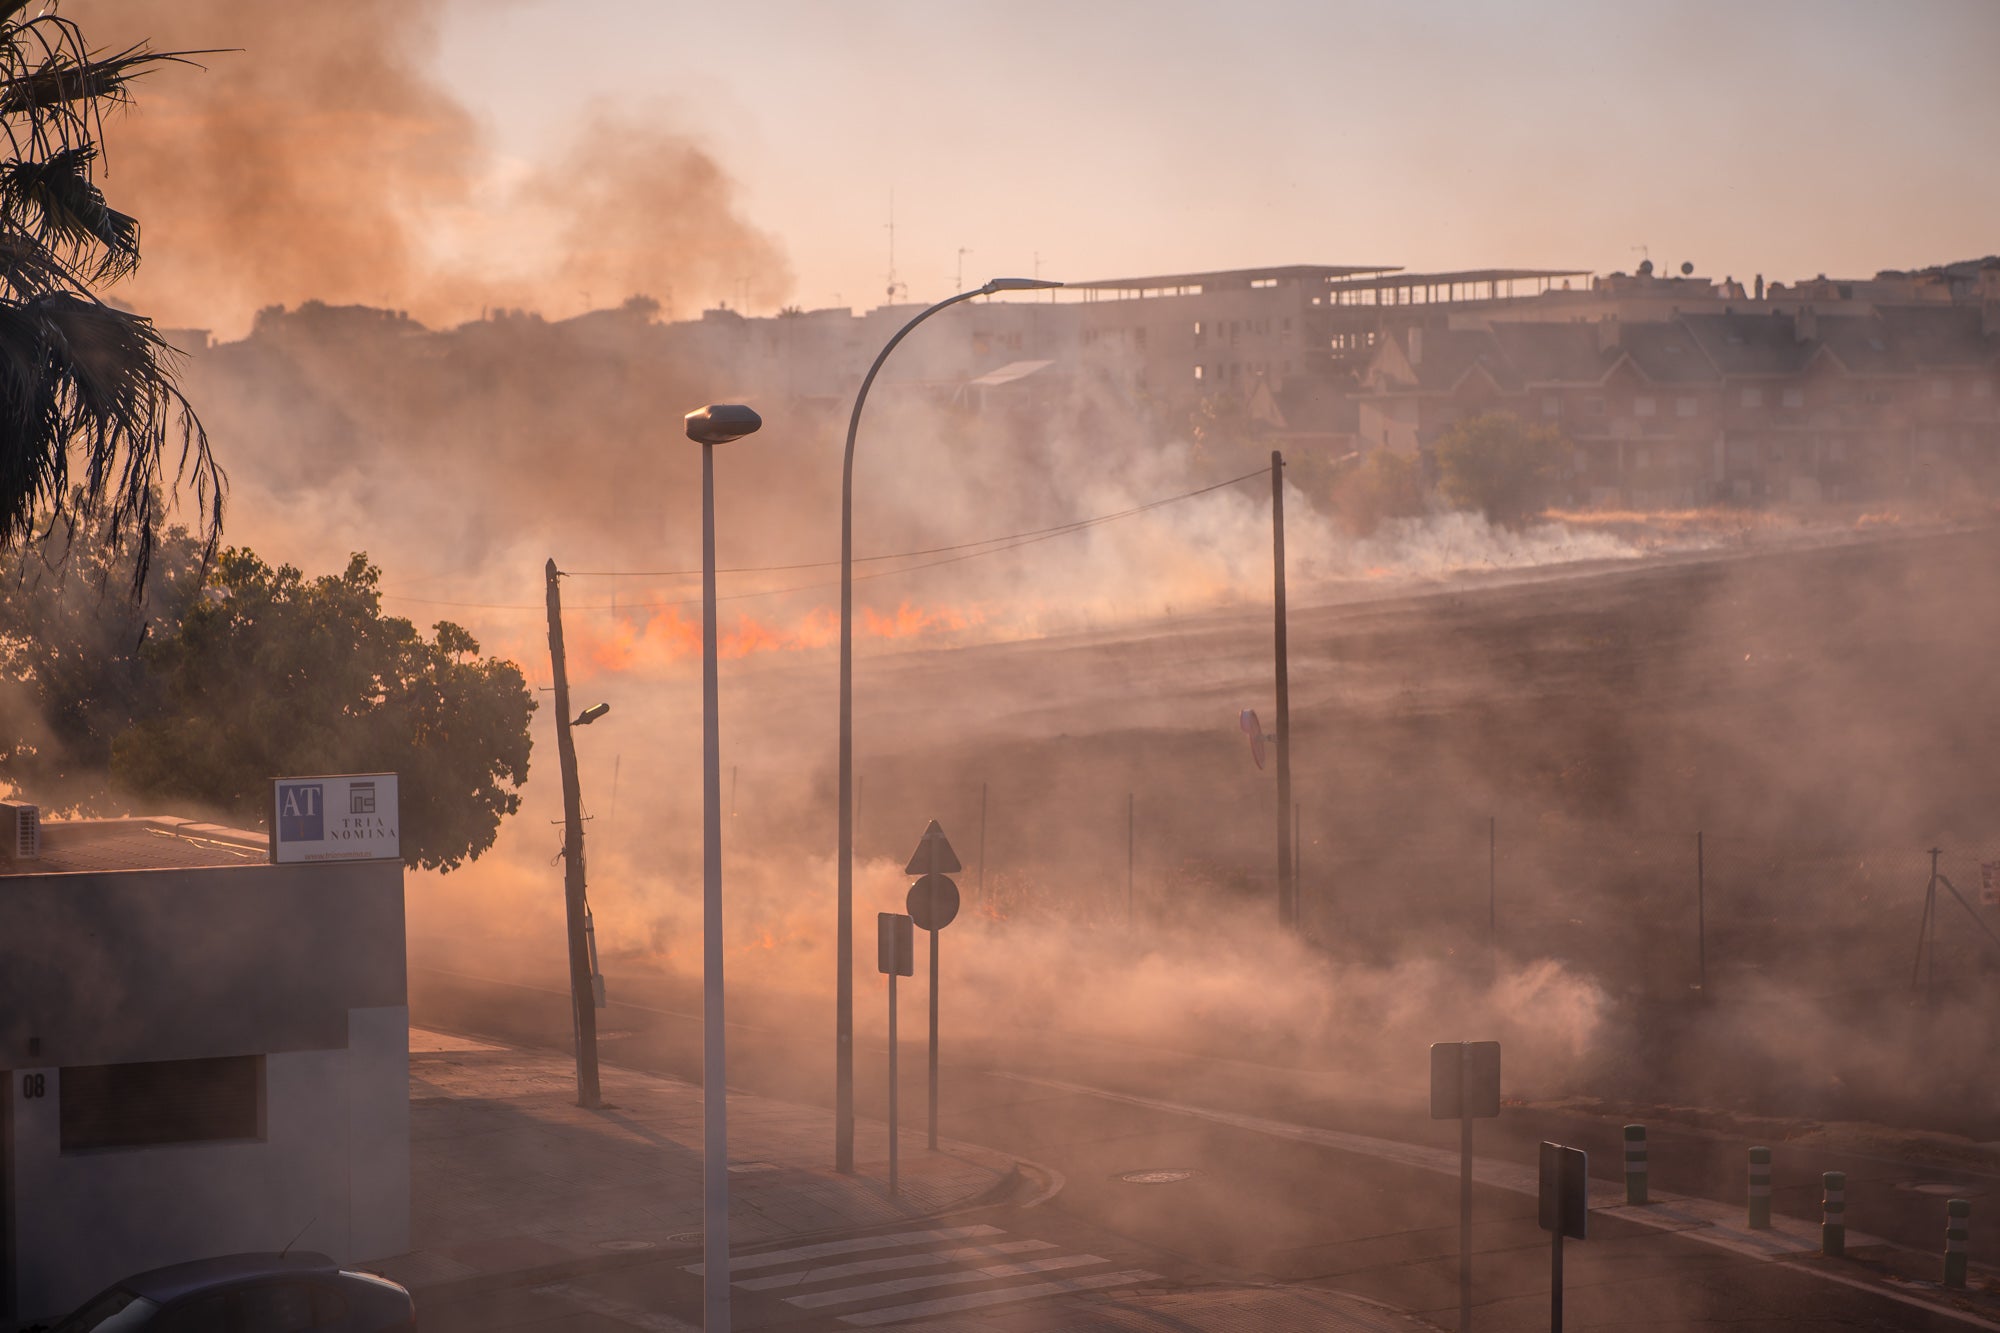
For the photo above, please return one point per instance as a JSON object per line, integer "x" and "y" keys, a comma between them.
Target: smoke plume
{"x": 314, "y": 155}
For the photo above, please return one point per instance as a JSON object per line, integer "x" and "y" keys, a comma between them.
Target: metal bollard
{"x": 1957, "y": 1232}
{"x": 1833, "y": 1214}
{"x": 1760, "y": 1189}
{"x": 1635, "y": 1163}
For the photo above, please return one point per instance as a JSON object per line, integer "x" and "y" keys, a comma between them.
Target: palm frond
{"x": 55, "y": 200}
{"x": 81, "y": 379}
{"x": 84, "y": 387}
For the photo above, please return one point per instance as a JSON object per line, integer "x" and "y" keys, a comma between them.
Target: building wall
{"x": 331, "y": 1173}
{"x": 303, "y": 965}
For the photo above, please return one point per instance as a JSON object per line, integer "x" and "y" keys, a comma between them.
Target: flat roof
{"x": 147, "y": 842}
{"x": 1234, "y": 276}
{"x": 1470, "y": 275}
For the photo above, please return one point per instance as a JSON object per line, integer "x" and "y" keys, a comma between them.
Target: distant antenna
{"x": 958, "y": 278}
{"x": 893, "y": 283}
{"x": 1687, "y": 268}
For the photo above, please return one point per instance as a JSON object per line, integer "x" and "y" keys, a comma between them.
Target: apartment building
{"x": 1716, "y": 406}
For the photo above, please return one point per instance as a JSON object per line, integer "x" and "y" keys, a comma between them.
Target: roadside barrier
{"x": 1957, "y": 1234}
{"x": 1760, "y": 1189}
{"x": 1635, "y": 1163}
{"x": 1833, "y": 1214}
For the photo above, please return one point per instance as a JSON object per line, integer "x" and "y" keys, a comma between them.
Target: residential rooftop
{"x": 141, "y": 842}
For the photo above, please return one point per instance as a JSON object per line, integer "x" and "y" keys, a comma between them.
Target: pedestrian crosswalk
{"x": 943, "y": 1270}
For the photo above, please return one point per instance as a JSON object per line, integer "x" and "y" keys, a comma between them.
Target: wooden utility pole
{"x": 582, "y": 999}
{"x": 1288, "y": 904}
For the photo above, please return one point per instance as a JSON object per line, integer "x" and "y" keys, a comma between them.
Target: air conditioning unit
{"x": 21, "y": 827}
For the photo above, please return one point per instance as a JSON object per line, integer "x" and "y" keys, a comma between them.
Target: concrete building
{"x": 205, "y": 1053}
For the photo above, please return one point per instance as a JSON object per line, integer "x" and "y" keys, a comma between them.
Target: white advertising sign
{"x": 348, "y": 818}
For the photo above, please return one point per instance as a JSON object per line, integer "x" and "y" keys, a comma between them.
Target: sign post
{"x": 932, "y": 904}
{"x": 894, "y": 950}
{"x": 1465, "y": 1086}
{"x": 1564, "y": 1211}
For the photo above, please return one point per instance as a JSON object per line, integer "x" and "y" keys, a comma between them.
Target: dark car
{"x": 299, "y": 1292}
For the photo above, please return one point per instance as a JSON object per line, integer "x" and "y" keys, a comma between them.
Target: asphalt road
{"x": 1258, "y": 1205}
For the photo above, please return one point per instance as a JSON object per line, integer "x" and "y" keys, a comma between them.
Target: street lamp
{"x": 843, "y": 1110}
{"x": 709, "y": 426}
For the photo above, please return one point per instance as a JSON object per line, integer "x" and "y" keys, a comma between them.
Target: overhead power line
{"x": 952, "y": 554}
{"x": 996, "y": 542}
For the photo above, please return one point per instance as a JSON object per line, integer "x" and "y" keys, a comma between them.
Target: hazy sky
{"x": 1110, "y": 139}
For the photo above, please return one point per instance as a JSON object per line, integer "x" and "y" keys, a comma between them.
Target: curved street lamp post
{"x": 843, "y": 1115}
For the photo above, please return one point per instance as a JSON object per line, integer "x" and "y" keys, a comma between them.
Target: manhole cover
{"x": 624, "y": 1245}
{"x": 1159, "y": 1176}
{"x": 1943, "y": 1189}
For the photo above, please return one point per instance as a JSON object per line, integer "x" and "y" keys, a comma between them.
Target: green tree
{"x": 271, "y": 673}
{"x": 77, "y": 374}
{"x": 71, "y": 629}
{"x": 1501, "y": 466}
{"x": 1383, "y": 485}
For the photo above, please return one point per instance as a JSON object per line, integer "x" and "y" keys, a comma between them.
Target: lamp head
{"x": 719, "y": 423}
{"x": 1017, "y": 285}
{"x": 590, "y": 715}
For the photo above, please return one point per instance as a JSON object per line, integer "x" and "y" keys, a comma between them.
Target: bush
{"x": 1383, "y": 485}
{"x": 1499, "y": 465}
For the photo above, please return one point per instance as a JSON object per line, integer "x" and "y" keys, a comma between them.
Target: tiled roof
{"x": 1946, "y": 335}
{"x": 1864, "y": 345}
{"x": 1553, "y": 353}
{"x": 1666, "y": 353}
{"x": 1749, "y": 344}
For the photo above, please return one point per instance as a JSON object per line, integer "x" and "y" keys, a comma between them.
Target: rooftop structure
{"x": 142, "y": 843}
{"x": 1221, "y": 280}
{"x": 1394, "y": 287}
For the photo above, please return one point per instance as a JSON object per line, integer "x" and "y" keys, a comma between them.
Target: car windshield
{"x": 112, "y": 1311}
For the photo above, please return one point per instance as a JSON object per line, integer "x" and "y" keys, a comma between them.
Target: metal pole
{"x": 1131, "y": 849}
{"x": 1288, "y": 908}
{"x": 1923, "y": 933}
{"x": 1464, "y": 1222}
{"x": 1930, "y": 900}
{"x": 1298, "y": 874}
{"x": 843, "y": 1000}
{"x": 1700, "y": 916}
{"x": 714, "y": 1091}
{"x": 932, "y": 894}
{"x": 583, "y": 1002}
{"x": 1556, "y": 1283}
{"x": 892, "y": 1077}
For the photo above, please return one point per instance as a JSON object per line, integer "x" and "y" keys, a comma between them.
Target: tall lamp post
{"x": 718, "y": 423}
{"x": 843, "y": 1111}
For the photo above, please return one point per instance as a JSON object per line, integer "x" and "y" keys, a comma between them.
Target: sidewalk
{"x": 509, "y": 1177}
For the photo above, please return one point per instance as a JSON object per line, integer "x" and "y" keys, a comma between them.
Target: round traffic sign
{"x": 938, "y": 890}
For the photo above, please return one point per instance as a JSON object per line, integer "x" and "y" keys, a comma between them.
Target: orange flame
{"x": 666, "y": 634}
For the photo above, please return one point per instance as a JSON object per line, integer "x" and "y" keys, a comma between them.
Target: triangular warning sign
{"x": 934, "y": 844}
